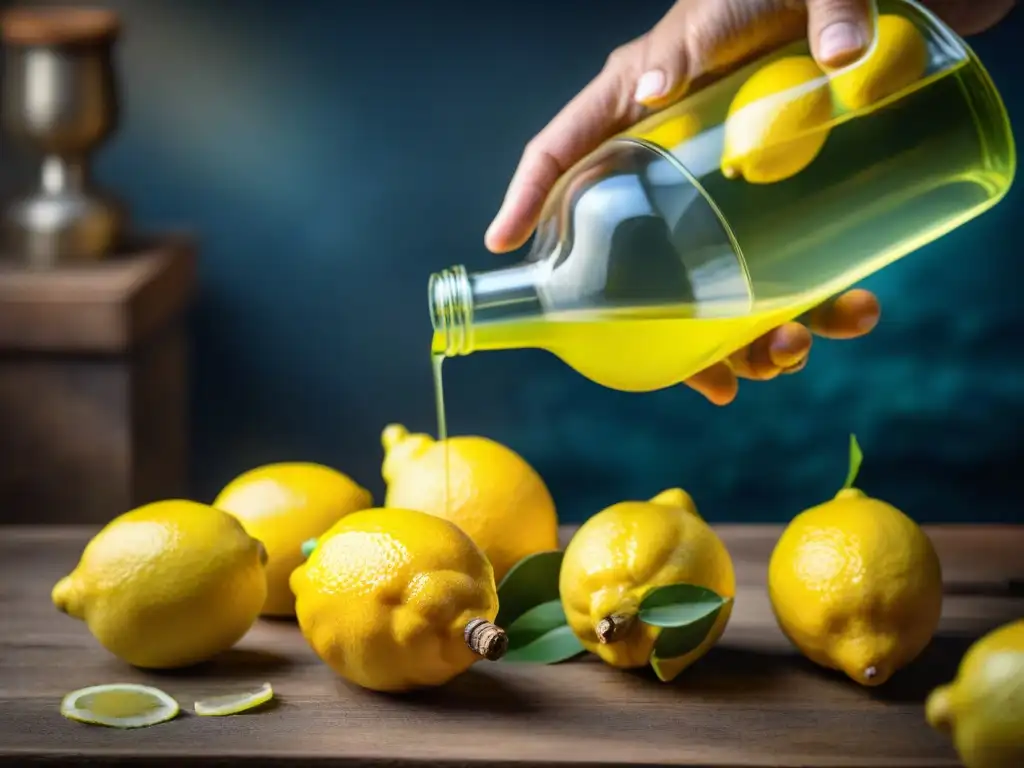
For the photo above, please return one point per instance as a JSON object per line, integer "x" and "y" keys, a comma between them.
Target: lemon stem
{"x": 856, "y": 457}
{"x": 486, "y": 639}
{"x": 613, "y": 628}
{"x": 307, "y": 547}
{"x": 870, "y": 673}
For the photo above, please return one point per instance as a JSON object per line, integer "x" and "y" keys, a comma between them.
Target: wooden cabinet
{"x": 94, "y": 384}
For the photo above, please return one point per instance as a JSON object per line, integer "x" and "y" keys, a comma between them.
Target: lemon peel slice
{"x": 119, "y": 705}
{"x": 233, "y": 703}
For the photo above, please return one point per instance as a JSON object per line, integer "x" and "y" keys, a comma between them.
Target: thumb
{"x": 839, "y": 31}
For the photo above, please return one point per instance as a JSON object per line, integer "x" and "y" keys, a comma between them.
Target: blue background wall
{"x": 333, "y": 154}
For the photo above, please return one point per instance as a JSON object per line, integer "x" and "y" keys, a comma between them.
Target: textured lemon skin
{"x": 778, "y": 121}
{"x": 856, "y": 585}
{"x": 983, "y": 708}
{"x": 385, "y": 597}
{"x": 169, "y": 584}
{"x": 898, "y": 58}
{"x": 622, "y": 553}
{"x": 283, "y": 505}
{"x": 496, "y": 497}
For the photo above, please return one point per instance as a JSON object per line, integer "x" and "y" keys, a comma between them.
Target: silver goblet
{"x": 60, "y": 99}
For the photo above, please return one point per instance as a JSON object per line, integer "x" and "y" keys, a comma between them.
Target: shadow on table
{"x": 241, "y": 663}
{"x": 473, "y": 691}
{"x": 936, "y": 665}
{"x": 727, "y": 671}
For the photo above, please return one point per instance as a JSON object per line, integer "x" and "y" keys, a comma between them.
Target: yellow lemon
{"x": 283, "y": 505}
{"x": 394, "y": 599}
{"x": 898, "y": 58}
{"x": 624, "y": 552}
{"x": 983, "y": 708}
{"x": 856, "y": 585}
{"x": 169, "y": 584}
{"x": 667, "y": 132}
{"x": 495, "y": 496}
{"x": 778, "y": 121}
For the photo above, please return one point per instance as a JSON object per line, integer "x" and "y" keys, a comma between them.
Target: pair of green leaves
{"x": 531, "y": 613}
{"x": 686, "y": 615}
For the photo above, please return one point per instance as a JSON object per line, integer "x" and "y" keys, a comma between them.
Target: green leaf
{"x": 530, "y": 582}
{"x": 678, "y": 605}
{"x": 307, "y": 547}
{"x": 686, "y": 615}
{"x": 542, "y": 636}
{"x": 681, "y": 639}
{"x": 856, "y": 457}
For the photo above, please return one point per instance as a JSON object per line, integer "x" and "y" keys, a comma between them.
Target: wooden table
{"x": 750, "y": 702}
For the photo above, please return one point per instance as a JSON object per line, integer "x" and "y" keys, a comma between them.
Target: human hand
{"x": 695, "y": 39}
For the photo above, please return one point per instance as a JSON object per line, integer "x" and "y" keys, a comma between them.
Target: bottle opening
{"x": 451, "y": 311}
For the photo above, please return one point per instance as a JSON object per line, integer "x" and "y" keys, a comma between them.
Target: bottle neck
{"x": 459, "y": 302}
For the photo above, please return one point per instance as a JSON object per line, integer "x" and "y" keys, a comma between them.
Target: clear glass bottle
{"x": 742, "y": 206}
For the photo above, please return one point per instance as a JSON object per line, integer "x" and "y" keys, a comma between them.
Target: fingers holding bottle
{"x": 786, "y": 349}
{"x": 600, "y": 110}
{"x": 848, "y": 316}
{"x": 839, "y": 31}
{"x": 644, "y": 74}
{"x": 694, "y": 38}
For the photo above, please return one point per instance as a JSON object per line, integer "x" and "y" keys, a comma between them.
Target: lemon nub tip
{"x": 60, "y": 595}
{"x": 730, "y": 171}
{"x": 872, "y": 676}
{"x": 851, "y": 493}
{"x": 937, "y": 709}
{"x": 392, "y": 435}
{"x": 486, "y": 639}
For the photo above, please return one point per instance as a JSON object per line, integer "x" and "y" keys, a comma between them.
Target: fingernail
{"x": 797, "y": 367}
{"x": 786, "y": 358}
{"x": 841, "y": 42}
{"x": 650, "y": 86}
{"x": 789, "y": 346}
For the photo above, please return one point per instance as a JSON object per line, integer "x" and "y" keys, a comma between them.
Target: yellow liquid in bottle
{"x": 889, "y": 179}
{"x": 638, "y": 354}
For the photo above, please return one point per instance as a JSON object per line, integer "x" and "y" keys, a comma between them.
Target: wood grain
{"x": 751, "y": 702}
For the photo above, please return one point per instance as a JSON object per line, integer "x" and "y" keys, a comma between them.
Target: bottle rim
{"x": 450, "y": 301}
